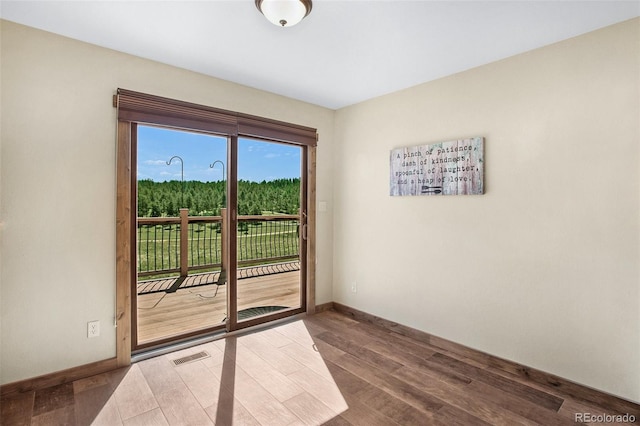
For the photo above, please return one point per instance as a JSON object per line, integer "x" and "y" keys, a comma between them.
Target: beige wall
{"x": 58, "y": 189}
{"x": 542, "y": 269}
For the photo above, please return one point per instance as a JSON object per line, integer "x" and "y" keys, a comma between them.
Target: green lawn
{"x": 159, "y": 245}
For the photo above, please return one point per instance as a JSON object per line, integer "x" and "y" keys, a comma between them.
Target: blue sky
{"x": 257, "y": 161}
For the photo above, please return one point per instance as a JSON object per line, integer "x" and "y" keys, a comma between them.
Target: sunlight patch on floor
{"x": 272, "y": 376}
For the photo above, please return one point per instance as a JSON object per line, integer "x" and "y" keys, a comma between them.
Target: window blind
{"x": 150, "y": 109}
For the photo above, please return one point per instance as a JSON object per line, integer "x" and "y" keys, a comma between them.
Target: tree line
{"x": 165, "y": 199}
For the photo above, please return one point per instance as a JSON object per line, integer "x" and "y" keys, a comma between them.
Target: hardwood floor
{"x": 328, "y": 368}
{"x": 162, "y": 314}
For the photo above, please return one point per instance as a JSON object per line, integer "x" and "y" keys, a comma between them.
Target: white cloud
{"x": 155, "y": 162}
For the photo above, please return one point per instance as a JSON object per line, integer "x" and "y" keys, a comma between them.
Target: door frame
{"x": 126, "y": 213}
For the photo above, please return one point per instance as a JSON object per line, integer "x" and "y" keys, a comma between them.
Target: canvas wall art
{"x": 445, "y": 168}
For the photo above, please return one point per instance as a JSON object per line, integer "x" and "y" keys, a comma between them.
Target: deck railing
{"x": 191, "y": 243}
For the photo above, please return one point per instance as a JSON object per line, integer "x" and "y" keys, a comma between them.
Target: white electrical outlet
{"x": 93, "y": 328}
{"x": 354, "y": 287}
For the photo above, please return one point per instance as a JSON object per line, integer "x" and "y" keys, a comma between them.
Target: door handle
{"x": 304, "y": 232}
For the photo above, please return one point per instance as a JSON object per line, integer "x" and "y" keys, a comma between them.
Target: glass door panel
{"x": 181, "y": 197}
{"x": 269, "y": 230}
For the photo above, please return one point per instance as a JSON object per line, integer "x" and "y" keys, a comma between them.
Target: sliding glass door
{"x": 270, "y": 231}
{"x": 181, "y": 196}
{"x": 205, "y": 242}
{"x": 220, "y": 233}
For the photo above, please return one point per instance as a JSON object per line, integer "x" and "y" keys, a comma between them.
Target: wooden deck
{"x": 162, "y": 314}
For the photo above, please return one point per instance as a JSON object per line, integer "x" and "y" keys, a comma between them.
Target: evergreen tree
{"x": 156, "y": 199}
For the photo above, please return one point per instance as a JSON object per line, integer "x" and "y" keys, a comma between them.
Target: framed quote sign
{"x": 445, "y": 168}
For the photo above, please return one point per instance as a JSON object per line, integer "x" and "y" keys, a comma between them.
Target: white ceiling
{"x": 344, "y": 52}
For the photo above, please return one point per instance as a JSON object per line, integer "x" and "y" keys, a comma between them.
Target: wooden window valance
{"x": 150, "y": 109}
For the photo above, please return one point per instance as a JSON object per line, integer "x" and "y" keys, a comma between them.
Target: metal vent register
{"x": 190, "y": 358}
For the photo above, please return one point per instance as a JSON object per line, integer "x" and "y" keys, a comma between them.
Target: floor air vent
{"x": 190, "y": 358}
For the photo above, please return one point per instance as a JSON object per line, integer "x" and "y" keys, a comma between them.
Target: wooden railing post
{"x": 184, "y": 242}
{"x": 223, "y": 247}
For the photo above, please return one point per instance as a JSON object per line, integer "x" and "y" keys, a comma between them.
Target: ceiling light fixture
{"x": 285, "y": 13}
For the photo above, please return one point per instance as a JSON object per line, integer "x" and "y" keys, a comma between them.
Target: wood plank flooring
{"x": 328, "y": 369}
{"x": 162, "y": 315}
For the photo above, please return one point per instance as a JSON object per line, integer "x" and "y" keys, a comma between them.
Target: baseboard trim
{"x": 558, "y": 384}
{"x": 59, "y": 377}
{"x": 324, "y": 307}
